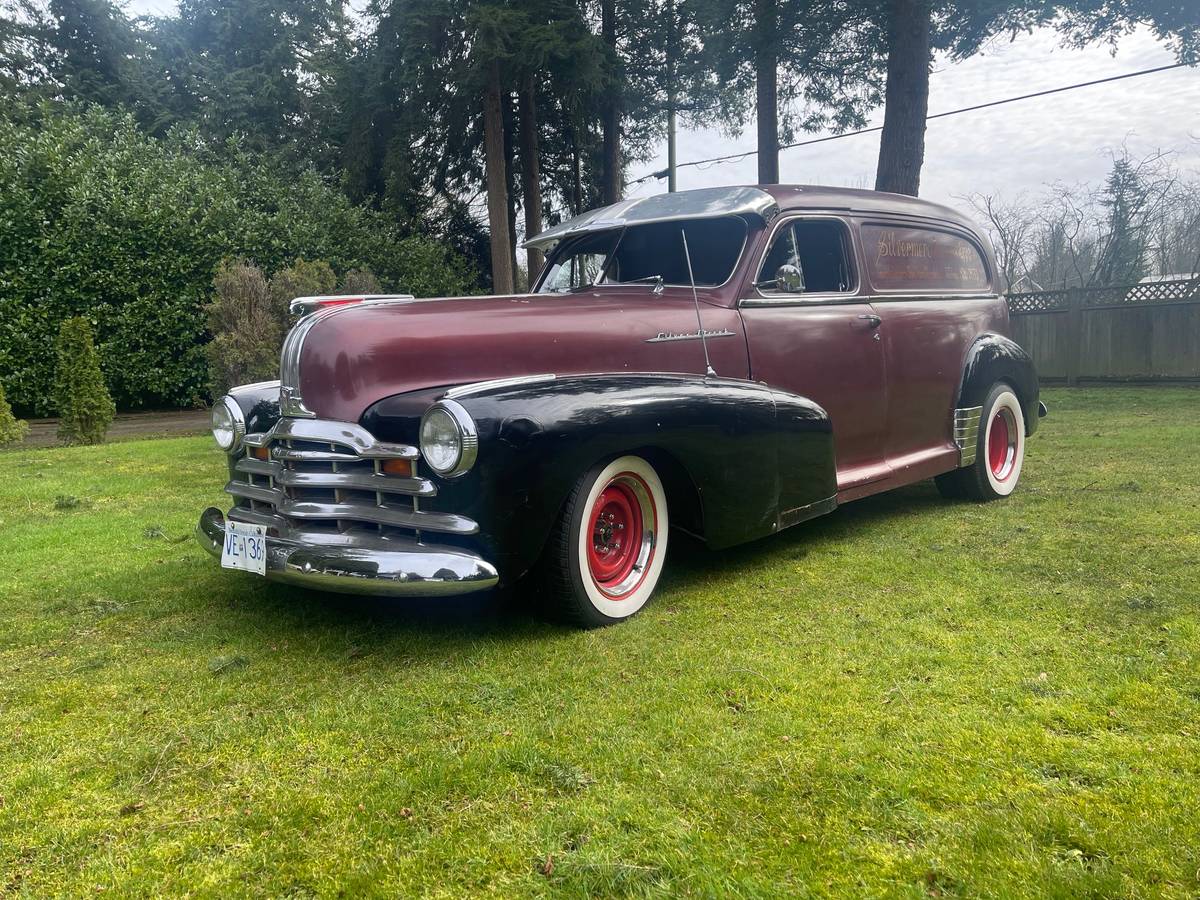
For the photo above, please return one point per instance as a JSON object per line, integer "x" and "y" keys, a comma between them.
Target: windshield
{"x": 643, "y": 253}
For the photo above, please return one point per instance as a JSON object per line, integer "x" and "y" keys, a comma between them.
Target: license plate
{"x": 245, "y": 547}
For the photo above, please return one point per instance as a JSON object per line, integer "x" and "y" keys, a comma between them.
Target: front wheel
{"x": 999, "y": 451}
{"x": 607, "y": 549}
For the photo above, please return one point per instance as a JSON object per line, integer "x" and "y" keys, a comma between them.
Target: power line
{"x": 953, "y": 112}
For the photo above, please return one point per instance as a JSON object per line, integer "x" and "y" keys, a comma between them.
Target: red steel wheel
{"x": 999, "y": 451}
{"x": 1002, "y": 443}
{"x": 608, "y": 548}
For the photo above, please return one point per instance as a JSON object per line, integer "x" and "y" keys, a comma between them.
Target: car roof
{"x": 761, "y": 201}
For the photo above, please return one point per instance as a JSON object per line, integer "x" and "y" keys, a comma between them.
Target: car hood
{"x": 354, "y": 356}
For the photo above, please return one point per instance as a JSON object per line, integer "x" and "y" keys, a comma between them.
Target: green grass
{"x": 908, "y": 697}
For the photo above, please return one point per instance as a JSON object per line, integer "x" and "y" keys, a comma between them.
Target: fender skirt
{"x": 739, "y": 460}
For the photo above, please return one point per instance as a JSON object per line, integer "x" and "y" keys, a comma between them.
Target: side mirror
{"x": 789, "y": 279}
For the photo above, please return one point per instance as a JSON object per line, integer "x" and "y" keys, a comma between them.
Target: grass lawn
{"x": 908, "y": 697}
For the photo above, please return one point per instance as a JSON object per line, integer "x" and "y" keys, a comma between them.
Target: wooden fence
{"x": 1139, "y": 332}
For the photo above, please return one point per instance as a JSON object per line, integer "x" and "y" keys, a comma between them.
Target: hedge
{"x": 101, "y": 221}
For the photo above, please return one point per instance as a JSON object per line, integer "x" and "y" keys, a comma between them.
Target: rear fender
{"x": 992, "y": 358}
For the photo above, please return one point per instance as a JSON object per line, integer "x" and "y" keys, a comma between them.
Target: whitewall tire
{"x": 607, "y": 550}
{"x": 999, "y": 450}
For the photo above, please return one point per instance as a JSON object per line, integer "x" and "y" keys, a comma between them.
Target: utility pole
{"x": 672, "y": 185}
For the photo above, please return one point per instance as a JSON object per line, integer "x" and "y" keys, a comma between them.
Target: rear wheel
{"x": 607, "y": 549}
{"x": 999, "y": 451}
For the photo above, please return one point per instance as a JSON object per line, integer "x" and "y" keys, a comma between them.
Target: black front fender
{"x": 754, "y": 459}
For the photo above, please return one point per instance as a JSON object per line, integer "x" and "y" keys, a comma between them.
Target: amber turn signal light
{"x": 261, "y": 453}
{"x": 396, "y": 467}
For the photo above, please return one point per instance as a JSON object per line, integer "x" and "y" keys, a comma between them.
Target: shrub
{"x": 247, "y": 329}
{"x": 300, "y": 279}
{"x": 84, "y": 405}
{"x": 98, "y": 219}
{"x": 248, "y": 316}
{"x": 360, "y": 281}
{"x": 12, "y": 429}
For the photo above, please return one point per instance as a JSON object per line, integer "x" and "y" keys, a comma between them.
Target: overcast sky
{"x": 1009, "y": 150}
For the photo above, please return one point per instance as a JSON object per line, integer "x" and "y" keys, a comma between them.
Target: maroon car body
{"x": 882, "y": 314}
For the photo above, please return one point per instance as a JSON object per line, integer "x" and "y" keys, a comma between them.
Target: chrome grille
{"x": 327, "y": 478}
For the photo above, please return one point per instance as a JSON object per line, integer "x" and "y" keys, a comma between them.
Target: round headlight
{"x": 228, "y": 424}
{"x": 449, "y": 441}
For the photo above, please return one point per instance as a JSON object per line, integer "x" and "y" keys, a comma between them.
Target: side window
{"x": 579, "y": 264}
{"x": 809, "y": 256}
{"x": 922, "y": 259}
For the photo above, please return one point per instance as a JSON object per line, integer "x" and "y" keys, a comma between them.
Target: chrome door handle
{"x": 871, "y": 319}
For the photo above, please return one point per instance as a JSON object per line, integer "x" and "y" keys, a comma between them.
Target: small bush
{"x": 247, "y": 328}
{"x": 84, "y": 405}
{"x": 248, "y": 317}
{"x": 301, "y": 279}
{"x": 360, "y": 281}
{"x": 12, "y": 429}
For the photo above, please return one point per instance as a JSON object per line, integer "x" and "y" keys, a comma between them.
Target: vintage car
{"x": 728, "y": 361}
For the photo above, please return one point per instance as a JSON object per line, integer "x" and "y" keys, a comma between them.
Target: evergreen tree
{"x": 85, "y": 408}
{"x": 808, "y": 66}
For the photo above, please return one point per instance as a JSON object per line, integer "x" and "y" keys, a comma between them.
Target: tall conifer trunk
{"x": 766, "y": 63}
{"x": 497, "y": 184}
{"x": 611, "y": 117}
{"x": 531, "y": 187}
{"x": 906, "y": 100}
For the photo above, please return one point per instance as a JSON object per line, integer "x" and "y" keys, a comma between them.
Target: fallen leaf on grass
{"x": 548, "y": 866}
{"x": 135, "y": 807}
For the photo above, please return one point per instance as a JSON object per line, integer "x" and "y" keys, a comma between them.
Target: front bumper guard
{"x": 400, "y": 569}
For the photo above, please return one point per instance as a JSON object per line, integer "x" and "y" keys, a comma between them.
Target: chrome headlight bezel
{"x": 466, "y": 435}
{"x": 235, "y": 427}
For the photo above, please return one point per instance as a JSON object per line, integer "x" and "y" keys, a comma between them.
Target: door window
{"x": 807, "y": 256}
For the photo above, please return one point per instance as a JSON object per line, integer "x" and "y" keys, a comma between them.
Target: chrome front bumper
{"x": 392, "y": 568}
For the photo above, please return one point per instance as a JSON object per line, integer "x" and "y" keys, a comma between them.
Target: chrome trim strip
{"x": 290, "y": 401}
{"x": 258, "y": 466}
{"x": 306, "y": 305}
{"x": 286, "y": 455}
{"x": 478, "y": 387}
{"x": 966, "y": 433}
{"x": 383, "y": 567}
{"x": 257, "y": 492}
{"x": 851, "y": 296}
{"x": 378, "y": 514}
{"x": 468, "y": 437}
{"x": 375, "y": 481}
{"x": 665, "y": 336}
{"x": 389, "y": 484}
{"x": 325, "y": 431}
{"x": 448, "y": 523}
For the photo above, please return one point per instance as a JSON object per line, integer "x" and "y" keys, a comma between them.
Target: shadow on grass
{"x": 511, "y": 614}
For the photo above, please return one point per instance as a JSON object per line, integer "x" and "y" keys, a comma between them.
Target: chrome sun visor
{"x": 705, "y": 203}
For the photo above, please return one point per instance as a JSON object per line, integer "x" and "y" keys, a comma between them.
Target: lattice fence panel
{"x": 1144, "y": 294}
{"x": 1036, "y": 302}
{"x": 1147, "y": 293}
